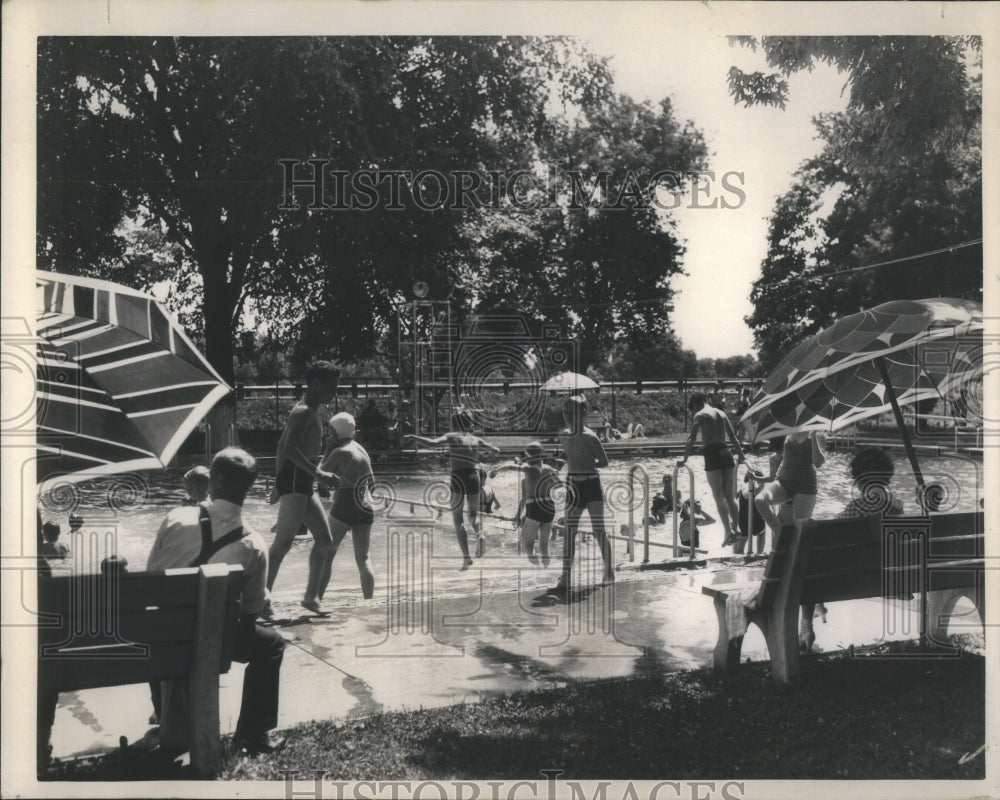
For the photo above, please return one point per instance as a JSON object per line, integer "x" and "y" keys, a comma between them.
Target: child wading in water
{"x": 687, "y": 530}
{"x": 351, "y": 510}
{"x": 463, "y": 454}
{"x": 537, "y": 504}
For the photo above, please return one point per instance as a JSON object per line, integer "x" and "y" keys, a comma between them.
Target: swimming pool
{"x": 413, "y": 547}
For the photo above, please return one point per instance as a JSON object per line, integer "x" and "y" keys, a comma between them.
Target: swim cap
{"x": 343, "y": 425}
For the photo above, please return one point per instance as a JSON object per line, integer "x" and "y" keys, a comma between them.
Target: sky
{"x": 725, "y": 247}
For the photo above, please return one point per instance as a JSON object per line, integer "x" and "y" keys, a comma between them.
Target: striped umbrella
{"x": 869, "y": 363}
{"x": 120, "y": 385}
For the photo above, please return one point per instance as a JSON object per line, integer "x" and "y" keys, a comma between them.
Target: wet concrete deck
{"x": 439, "y": 640}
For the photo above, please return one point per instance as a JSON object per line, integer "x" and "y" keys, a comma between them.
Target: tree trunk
{"x": 219, "y": 352}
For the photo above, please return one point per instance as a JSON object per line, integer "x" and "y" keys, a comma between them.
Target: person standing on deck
{"x": 296, "y": 473}
{"x": 714, "y": 426}
{"x": 463, "y": 455}
{"x": 584, "y": 456}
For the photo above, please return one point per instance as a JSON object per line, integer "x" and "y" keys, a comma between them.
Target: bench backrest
{"x": 846, "y": 559}
{"x": 887, "y": 557}
{"x": 138, "y": 626}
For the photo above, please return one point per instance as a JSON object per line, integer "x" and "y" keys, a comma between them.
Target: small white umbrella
{"x": 569, "y": 382}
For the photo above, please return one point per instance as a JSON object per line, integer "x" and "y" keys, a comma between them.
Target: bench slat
{"x": 93, "y": 671}
{"x": 175, "y": 588}
{"x": 147, "y": 627}
{"x": 866, "y": 557}
{"x": 132, "y": 591}
{"x": 863, "y": 530}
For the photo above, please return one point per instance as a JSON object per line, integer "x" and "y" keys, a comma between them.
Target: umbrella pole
{"x": 900, "y": 422}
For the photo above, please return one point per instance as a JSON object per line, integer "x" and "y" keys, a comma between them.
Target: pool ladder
{"x": 692, "y": 547}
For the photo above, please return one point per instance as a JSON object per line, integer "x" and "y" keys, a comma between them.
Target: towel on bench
{"x": 737, "y": 604}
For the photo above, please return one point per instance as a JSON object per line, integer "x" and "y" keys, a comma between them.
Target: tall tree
{"x": 891, "y": 207}
{"x": 597, "y": 255}
{"x": 184, "y": 135}
{"x": 910, "y": 93}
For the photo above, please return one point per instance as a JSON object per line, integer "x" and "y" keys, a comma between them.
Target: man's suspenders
{"x": 208, "y": 547}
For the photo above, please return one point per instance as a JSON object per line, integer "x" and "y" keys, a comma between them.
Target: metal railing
{"x": 676, "y": 511}
{"x": 631, "y": 512}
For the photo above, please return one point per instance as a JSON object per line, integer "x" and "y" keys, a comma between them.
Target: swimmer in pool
{"x": 463, "y": 455}
{"x": 714, "y": 426}
{"x": 296, "y": 475}
{"x": 351, "y": 509}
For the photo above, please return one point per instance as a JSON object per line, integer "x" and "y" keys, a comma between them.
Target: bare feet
{"x": 466, "y": 563}
{"x": 312, "y": 605}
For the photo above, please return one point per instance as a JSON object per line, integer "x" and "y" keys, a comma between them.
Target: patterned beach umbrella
{"x": 895, "y": 354}
{"x": 120, "y": 385}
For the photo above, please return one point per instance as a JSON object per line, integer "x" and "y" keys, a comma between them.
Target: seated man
{"x": 214, "y": 533}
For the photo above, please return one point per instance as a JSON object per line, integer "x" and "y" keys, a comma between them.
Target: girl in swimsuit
{"x": 537, "y": 509}
{"x": 351, "y": 509}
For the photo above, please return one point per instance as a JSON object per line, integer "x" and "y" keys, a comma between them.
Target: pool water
{"x": 413, "y": 546}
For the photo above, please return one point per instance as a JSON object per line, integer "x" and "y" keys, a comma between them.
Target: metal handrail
{"x": 753, "y": 489}
{"x": 677, "y": 510}
{"x": 631, "y": 512}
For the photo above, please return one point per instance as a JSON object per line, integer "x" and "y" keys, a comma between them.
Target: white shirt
{"x": 178, "y": 543}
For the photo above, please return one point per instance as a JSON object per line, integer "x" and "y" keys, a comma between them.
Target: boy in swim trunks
{"x": 463, "y": 454}
{"x": 296, "y": 473}
{"x": 714, "y": 426}
{"x": 351, "y": 511}
{"x": 537, "y": 504}
{"x": 584, "y": 456}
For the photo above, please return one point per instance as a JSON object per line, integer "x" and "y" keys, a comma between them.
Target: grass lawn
{"x": 866, "y": 717}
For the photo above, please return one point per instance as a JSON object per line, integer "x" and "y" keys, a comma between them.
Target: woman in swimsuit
{"x": 795, "y": 480}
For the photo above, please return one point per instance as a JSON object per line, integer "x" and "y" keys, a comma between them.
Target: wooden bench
{"x": 135, "y": 627}
{"x": 848, "y": 559}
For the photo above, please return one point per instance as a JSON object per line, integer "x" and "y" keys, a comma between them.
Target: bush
{"x": 661, "y": 413}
